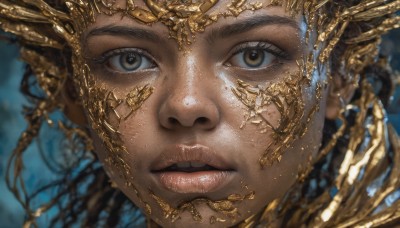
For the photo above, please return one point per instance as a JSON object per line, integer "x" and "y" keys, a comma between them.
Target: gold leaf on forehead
{"x": 184, "y": 18}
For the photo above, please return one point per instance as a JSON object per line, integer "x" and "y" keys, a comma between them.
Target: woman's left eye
{"x": 255, "y": 56}
{"x": 129, "y": 61}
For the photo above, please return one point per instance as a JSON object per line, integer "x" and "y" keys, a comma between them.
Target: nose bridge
{"x": 188, "y": 102}
{"x": 187, "y": 78}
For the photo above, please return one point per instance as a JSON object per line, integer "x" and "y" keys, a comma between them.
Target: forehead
{"x": 207, "y": 5}
{"x": 183, "y": 19}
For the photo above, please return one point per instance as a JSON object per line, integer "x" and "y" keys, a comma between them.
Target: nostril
{"x": 173, "y": 121}
{"x": 202, "y": 120}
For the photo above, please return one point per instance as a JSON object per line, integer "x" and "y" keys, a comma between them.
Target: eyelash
{"x": 260, "y": 45}
{"x": 264, "y": 46}
{"x": 122, "y": 51}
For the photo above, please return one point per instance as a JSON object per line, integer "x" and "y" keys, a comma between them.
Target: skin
{"x": 192, "y": 104}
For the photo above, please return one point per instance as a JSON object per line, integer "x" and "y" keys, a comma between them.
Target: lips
{"x": 191, "y": 169}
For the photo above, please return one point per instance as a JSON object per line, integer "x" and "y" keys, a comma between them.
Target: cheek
{"x": 275, "y": 180}
{"x": 102, "y": 154}
{"x": 290, "y": 131}
{"x": 139, "y": 134}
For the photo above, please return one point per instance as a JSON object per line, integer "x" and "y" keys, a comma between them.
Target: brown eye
{"x": 253, "y": 58}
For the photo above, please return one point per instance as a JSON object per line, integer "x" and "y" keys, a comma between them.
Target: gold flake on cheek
{"x": 290, "y": 95}
{"x": 286, "y": 97}
{"x": 225, "y": 206}
{"x": 104, "y": 115}
{"x": 136, "y": 97}
{"x": 101, "y": 105}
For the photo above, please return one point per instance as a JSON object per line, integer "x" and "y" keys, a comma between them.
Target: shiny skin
{"x": 193, "y": 104}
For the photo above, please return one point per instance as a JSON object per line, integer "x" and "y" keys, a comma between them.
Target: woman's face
{"x": 211, "y": 131}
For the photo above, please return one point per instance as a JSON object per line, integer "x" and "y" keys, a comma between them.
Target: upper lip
{"x": 189, "y": 153}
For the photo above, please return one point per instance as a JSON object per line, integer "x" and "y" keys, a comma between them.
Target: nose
{"x": 190, "y": 102}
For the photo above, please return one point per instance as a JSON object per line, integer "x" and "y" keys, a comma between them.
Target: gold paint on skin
{"x": 214, "y": 219}
{"x": 184, "y": 18}
{"x": 135, "y": 98}
{"x": 101, "y": 103}
{"x": 225, "y": 207}
{"x": 284, "y": 96}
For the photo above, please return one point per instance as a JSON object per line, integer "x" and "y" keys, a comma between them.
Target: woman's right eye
{"x": 127, "y": 61}
{"x": 256, "y": 56}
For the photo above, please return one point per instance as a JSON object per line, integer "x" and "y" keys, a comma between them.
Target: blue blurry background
{"x": 12, "y": 124}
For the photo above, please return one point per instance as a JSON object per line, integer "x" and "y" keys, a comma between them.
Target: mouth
{"x": 189, "y": 167}
{"x": 192, "y": 169}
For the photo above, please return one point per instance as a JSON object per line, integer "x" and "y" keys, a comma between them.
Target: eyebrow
{"x": 223, "y": 32}
{"x": 250, "y": 24}
{"x": 124, "y": 31}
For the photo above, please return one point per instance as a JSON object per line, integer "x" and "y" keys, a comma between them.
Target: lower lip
{"x": 196, "y": 182}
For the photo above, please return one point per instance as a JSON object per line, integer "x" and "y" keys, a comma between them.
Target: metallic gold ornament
{"x": 225, "y": 207}
{"x": 184, "y": 18}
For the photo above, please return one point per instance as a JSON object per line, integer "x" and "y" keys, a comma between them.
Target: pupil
{"x": 130, "y": 61}
{"x": 254, "y": 55}
{"x": 254, "y": 58}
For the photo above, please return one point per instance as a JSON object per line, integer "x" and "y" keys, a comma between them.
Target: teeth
{"x": 183, "y": 165}
{"x": 197, "y": 164}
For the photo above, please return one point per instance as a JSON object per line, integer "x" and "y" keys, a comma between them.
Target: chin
{"x": 209, "y": 218}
